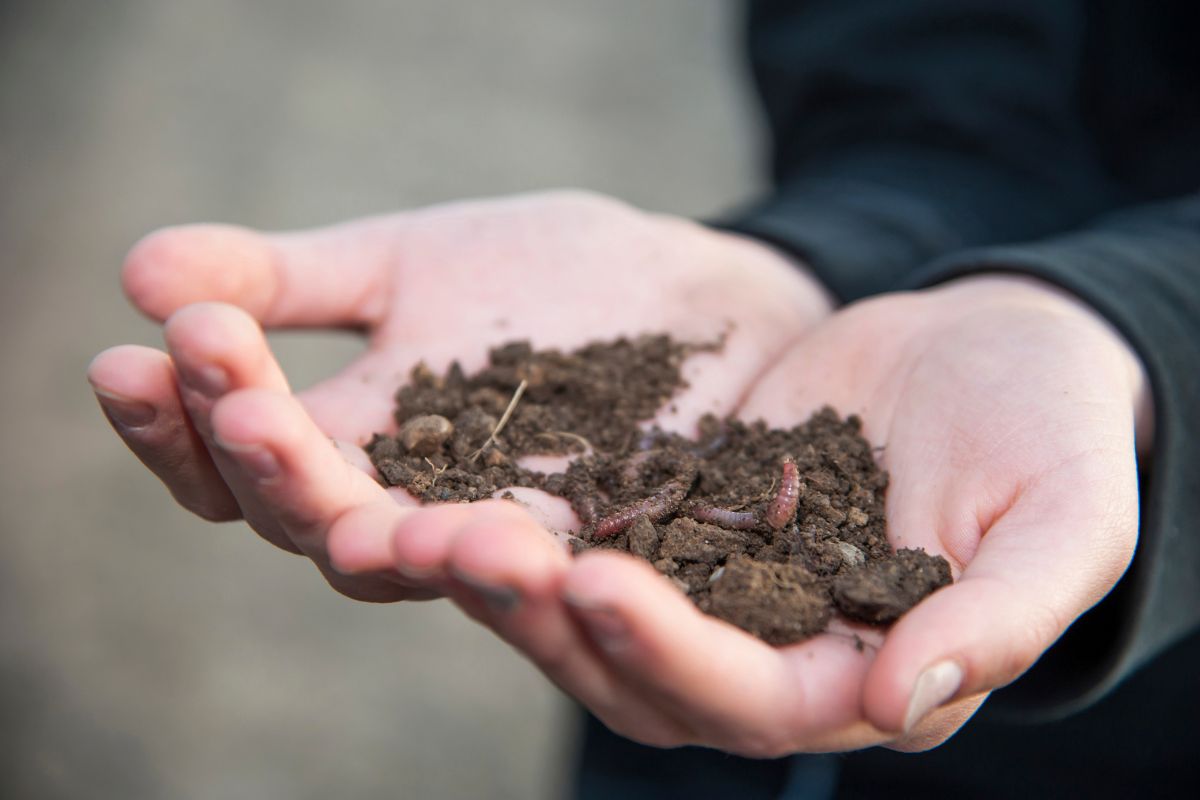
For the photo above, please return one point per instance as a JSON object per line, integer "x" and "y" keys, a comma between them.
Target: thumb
{"x": 328, "y": 276}
{"x": 1055, "y": 553}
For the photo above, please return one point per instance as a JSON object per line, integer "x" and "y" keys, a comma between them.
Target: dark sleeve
{"x": 906, "y": 129}
{"x": 1141, "y": 270}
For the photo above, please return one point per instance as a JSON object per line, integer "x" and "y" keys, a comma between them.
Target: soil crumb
{"x": 883, "y": 590}
{"x": 770, "y": 529}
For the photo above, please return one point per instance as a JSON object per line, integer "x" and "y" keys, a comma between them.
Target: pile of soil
{"x": 770, "y": 529}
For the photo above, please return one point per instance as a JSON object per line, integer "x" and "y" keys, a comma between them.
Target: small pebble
{"x": 643, "y": 538}
{"x": 856, "y": 518}
{"x": 425, "y": 435}
{"x": 666, "y": 566}
{"x": 852, "y": 557}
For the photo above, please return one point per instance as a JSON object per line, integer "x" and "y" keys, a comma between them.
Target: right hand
{"x": 1008, "y": 414}
{"x": 213, "y": 417}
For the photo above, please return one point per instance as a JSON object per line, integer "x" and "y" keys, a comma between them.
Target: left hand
{"x": 1007, "y": 411}
{"x": 215, "y": 420}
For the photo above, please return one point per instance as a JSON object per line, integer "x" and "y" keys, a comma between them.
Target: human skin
{"x": 1006, "y": 409}
{"x": 439, "y": 284}
{"x": 1008, "y": 413}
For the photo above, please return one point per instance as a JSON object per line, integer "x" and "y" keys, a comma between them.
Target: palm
{"x": 1001, "y": 416}
{"x": 452, "y": 282}
{"x": 957, "y": 399}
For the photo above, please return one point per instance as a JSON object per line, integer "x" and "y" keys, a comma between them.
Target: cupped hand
{"x": 1007, "y": 413}
{"x": 214, "y": 418}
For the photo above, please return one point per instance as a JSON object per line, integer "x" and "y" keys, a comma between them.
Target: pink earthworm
{"x": 585, "y": 507}
{"x": 783, "y": 506}
{"x": 661, "y": 504}
{"x": 724, "y": 517}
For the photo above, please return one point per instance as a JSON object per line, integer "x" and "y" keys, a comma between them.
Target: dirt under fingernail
{"x": 775, "y": 530}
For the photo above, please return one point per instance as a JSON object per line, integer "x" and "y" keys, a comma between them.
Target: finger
{"x": 736, "y": 692}
{"x": 218, "y": 348}
{"x": 421, "y": 543}
{"x": 360, "y": 540}
{"x": 1050, "y": 557}
{"x": 298, "y": 480}
{"x": 137, "y": 392}
{"x": 553, "y": 514}
{"x": 505, "y": 571}
{"x": 358, "y": 546}
{"x": 297, "y": 472}
{"x": 329, "y": 276}
{"x": 939, "y": 725}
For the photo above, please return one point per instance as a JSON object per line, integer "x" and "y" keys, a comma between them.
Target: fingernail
{"x": 501, "y": 599}
{"x": 126, "y": 413}
{"x": 604, "y": 624}
{"x": 208, "y": 380}
{"x": 255, "y": 459}
{"x": 934, "y": 686}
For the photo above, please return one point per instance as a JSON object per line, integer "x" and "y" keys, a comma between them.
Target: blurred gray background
{"x": 147, "y": 654}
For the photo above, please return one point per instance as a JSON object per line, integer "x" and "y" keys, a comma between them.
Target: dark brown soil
{"x": 770, "y": 529}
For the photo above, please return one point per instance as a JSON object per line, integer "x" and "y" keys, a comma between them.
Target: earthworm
{"x": 725, "y": 517}
{"x": 585, "y": 507}
{"x": 658, "y": 505}
{"x": 783, "y": 506}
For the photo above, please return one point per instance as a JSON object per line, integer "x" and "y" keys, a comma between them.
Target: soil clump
{"x": 771, "y": 529}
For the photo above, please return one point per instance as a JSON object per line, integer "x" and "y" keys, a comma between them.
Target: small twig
{"x": 437, "y": 473}
{"x": 512, "y": 404}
